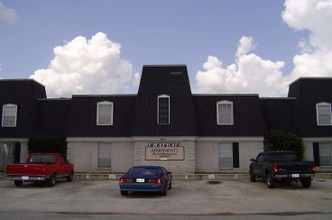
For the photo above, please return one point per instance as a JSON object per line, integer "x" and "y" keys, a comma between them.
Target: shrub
{"x": 280, "y": 140}
{"x": 47, "y": 144}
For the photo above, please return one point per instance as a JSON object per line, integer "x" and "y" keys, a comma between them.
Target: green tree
{"x": 47, "y": 144}
{"x": 280, "y": 140}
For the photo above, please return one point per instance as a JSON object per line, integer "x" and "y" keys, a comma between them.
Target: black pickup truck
{"x": 281, "y": 166}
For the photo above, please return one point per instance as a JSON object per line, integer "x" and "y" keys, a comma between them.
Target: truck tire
{"x": 70, "y": 176}
{"x": 252, "y": 177}
{"x": 18, "y": 182}
{"x": 306, "y": 183}
{"x": 270, "y": 181}
{"x": 51, "y": 181}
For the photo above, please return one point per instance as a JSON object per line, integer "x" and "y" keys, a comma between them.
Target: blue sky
{"x": 229, "y": 46}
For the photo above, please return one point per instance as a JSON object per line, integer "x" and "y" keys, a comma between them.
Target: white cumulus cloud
{"x": 7, "y": 14}
{"x": 314, "y": 16}
{"x": 87, "y": 66}
{"x": 251, "y": 73}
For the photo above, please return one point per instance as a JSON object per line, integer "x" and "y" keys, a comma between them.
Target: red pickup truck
{"x": 41, "y": 167}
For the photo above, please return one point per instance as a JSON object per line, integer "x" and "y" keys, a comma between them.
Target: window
{"x": 8, "y": 154}
{"x": 104, "y": 113}
{"x": 322, "y": 153}
{"x": 163, "y": 110}
{"x": 325, "y": 154}
{"x": 9, "y": 115}
{"x": 225, "y": 113}
{"x": 323, "y": 114}
{"x": 104, "y": 155}
{"x": 228, "y": 155}
{"x": 225, "y": 156}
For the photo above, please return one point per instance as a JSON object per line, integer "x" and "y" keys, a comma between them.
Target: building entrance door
{"x": 9, "y": 153}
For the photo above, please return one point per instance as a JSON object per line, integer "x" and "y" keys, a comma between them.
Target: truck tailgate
{"x": 299, "y": 167}
{"x": 26, "y": 169}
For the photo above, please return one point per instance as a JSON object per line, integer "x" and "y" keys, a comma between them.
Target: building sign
{"x": 164, "y": 151}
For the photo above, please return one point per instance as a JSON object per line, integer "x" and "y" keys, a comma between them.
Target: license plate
{"x": 25, "y": 177}
{"x": 296, "y": 175}
{"x": 140, "y": 180}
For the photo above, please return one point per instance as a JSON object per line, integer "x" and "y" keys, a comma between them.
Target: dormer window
{"x": 105, "y": 113}
{"x": 163, "y": 117}
{"x": 9, "y": 115}
{"x": 323, "y": 111}
{"x": 225, "y": 113}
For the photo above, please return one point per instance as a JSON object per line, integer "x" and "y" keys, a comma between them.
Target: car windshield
{"x": 143, "y": 171}
{"x": 42, "y": 159}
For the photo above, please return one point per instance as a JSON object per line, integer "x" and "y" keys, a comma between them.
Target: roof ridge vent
{"x": 175, "y": 73}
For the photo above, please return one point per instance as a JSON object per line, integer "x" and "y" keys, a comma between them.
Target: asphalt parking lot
{"x": 187, "y": 197}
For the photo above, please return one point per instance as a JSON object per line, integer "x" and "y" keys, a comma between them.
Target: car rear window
{"x": 42, "y": 159}
{"x": 282, "y": 156}
{"x": 142, "y": 171}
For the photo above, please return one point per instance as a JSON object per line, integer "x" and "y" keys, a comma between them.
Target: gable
{"x": 170, "y": 81}
{"x": 82, "y": 116}
{"x": 248, "y": 117}
{"x": 308, "y": 93}
{"x": 24, "y": 94}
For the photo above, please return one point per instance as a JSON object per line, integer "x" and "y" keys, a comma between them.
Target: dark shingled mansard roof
{"x": 165, "y": 80}
{"x": 190, "y": 114}
{"x": 308, "y": 93}
{"x": 23, "y": 93}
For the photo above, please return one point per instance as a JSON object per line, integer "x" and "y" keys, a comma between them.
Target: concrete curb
{"x": 219, "y": 176}
{"x": 223, "y": 176}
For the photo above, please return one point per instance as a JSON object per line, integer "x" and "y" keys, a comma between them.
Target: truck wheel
{"x": 306, "y": 183}
{"x": 70, "y": 176}
{"x": 252, "y": 177}
{"x": 51, "y": 181}
{"x": 18, "y": 182}
{"x": 270, "y": 182}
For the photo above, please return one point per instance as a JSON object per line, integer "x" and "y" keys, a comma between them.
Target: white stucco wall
{"x": 308, "y": 152}
{"x": 185, "y": 166}
{"x": 200, "y": 155}
{"x": 308, "y": 144}
{"x": 84, "y": 155}
{"x": 207, "y": 153}
{"x": 24, "y": 151}
{"x": 122, "y": 156}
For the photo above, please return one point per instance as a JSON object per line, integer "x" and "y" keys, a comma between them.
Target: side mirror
{"x": 252, "y": 160}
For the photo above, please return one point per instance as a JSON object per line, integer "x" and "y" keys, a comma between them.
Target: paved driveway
{"x": 187, "y": 197}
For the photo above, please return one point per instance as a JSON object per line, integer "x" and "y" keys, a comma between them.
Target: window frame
{"x": 319, "y": 114}
{"x": 102, "y": 161}
{"x": 164, "y": 96}
{"x": 99, "y": 121}
{"x": 231, "y": 113}
{"x": 232, "y": 158}
{"x": 6, "y": 114}
{"x": 225, "y": 162}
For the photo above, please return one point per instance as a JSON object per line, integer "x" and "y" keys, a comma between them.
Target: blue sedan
{"x": 146, "y": 179}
